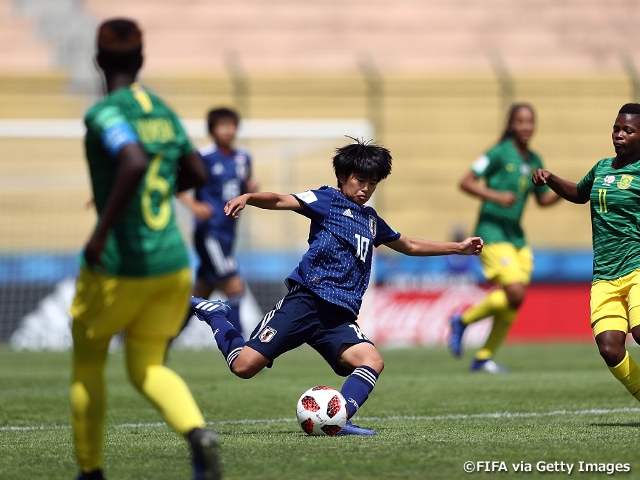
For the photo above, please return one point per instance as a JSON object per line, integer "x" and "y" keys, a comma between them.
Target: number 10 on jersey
{"x": 362, "y": 245}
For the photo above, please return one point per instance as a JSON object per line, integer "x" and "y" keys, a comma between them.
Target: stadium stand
{"x": 433, "y": 77}
{"x": 33, "y": 55}
{"x": 302, "y": 60}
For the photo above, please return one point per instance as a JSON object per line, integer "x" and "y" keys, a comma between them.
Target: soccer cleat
{"x": 205, "y": 309}
{"x": 487, "y": 365}
{"x": 205, "y": 450}
{"x": 351, "y": 429}
{"x": 95, "y": 475}
{"x": 455, "y": 337}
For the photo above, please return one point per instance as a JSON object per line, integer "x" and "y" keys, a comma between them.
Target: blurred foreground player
{"x": 613, "y": 188}
{"x": 507, "y": 259}
{"x": 134, "y": 275}
{"x": 326, "y": 289}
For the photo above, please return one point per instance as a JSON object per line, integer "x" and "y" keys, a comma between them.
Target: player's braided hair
{"x": 630, "y": 109}
{"x": 363, "y": 158}
{"x": 512, "y": 112}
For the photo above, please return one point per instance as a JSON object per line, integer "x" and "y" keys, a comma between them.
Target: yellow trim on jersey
{"x": 504, "y": 264}
{"x": 141, "y": 97}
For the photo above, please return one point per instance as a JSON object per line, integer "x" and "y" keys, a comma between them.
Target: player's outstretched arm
{"x": 265, "y": 200}
{"x": 564, "y": 188}
{"x": 424, "y": 248}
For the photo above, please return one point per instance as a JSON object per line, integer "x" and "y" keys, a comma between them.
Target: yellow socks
{"x": 493, "y": 303}
{"x": 501, "y": 324}
{"x": 628, "y": 373}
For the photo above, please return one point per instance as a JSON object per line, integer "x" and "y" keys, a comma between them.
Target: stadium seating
{"x": 442, "y": 102}
{"x": 20, "y": 48}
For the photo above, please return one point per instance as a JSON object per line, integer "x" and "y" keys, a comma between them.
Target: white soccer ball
{"x": 322, "y": 411}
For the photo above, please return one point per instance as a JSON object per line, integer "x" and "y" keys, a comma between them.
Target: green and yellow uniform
{"x": 614, "y": 194}
{"x": 146, "y": 283}
{"x": 506, "y": 258}
{"x": 146, "y": 240}
{"x": 505, "y": 170}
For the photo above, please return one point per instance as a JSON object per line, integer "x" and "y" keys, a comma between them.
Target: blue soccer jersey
{"x": 337, "y": 265}
{"x": 227, "y": 180}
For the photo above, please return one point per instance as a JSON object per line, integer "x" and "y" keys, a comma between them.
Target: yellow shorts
{"x": 148, "y": 307}
{"x": 613, "y": 304}
{"x": 504, "y": 264}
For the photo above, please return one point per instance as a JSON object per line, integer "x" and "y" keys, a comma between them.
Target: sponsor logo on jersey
{"x": 267, "y": 334}
{"x": 608, "y": 180}
{"x": 217, "y": 169}
{"x": 347, "y": 213}
{"x": 625, "y": 182}
{"x": 373, "y": 225}
{"x": 525, "y": 169}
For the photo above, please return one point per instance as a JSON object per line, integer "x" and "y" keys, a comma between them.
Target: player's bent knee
{"x": 249, "y": 363}
{"x": 611, "y": 354}
{"x": 377, "y": 364}
{"x": 244, "y": 371}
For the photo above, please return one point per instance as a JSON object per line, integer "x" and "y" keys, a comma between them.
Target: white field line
{"x": 423, "y": 418}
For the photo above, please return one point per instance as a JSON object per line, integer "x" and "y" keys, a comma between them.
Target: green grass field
{"x": 559, "y": 404}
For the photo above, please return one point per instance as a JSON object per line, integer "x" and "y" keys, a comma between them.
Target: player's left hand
{"x": 472, "y": 246}
{"x": 540, "y": 177}
{"x": 235, "y": 206}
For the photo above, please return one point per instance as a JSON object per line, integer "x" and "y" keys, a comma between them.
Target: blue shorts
{"x": 216, "y": 261}
{"x": 303, "y": 317}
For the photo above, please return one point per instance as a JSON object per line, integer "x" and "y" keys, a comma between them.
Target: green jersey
{"x": 145, "y": 241}
{"x": 504, "y": 169}
{"x": 614, "y": 194}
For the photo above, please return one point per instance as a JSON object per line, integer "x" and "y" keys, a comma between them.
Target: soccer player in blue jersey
{"x": 326, "y": 288}
{"x": 229, "y": 170}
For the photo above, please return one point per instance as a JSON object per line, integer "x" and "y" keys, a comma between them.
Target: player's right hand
{"x": 202, "y": 211}
{"x": 506, "y": 199}
{"x": 93, "y": 251}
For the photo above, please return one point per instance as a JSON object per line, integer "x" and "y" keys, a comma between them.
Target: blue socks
{"x": 229, "y": 340}
{"x": 234, "y": 316}
{"x": 357, "y": 387}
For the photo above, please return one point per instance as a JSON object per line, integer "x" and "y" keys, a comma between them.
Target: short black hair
{"x": 119, "y": 46}
{"x": 362, "y": 158}
{"x": 630, "y": 109}
{"x": 512, "y": 113}
{"x": 217, "y": 114}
